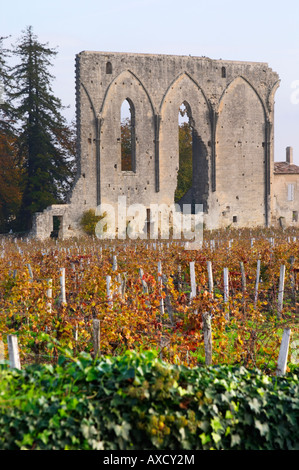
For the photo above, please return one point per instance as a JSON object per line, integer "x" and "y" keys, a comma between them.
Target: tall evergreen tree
{"x": 45, "y": 139}
{"x": 5, "y": 84}
{"x": 10, "y": 168}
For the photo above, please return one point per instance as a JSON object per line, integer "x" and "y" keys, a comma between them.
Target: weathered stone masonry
{"x": 231, "y": 107}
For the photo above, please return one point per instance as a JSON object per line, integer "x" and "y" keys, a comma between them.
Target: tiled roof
{"x": 285, "y": 168}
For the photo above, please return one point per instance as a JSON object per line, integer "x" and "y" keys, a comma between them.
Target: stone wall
{"x": 231, "y": 110}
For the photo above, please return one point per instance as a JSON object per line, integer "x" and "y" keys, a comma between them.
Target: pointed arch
{"x": 241, "y": 156}
{"x": 176, "y": 82}
{"x": 128, "y": 145}
{"x": 127, "y": 74}
{"x": 185, "y": 89}
{"x": 237, "y": 79}
{"x": 117, "y": 175}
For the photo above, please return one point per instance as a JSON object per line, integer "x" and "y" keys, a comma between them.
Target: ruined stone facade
{"x": 231, "y": 109}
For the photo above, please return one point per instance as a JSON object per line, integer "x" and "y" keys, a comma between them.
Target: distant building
{"x": 286, "y": 191}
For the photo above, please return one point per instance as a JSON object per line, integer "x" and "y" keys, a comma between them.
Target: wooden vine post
{"x": 257, "y": 281}
{"x": 123, "y": 285}
{"x": 76, "y": 331}
{"x": 144, "y": 284}
{"x": 206, "y": 320}
{"x": 13, "y": 351}
{"x": 210, "y": 278}
{"x": 114, "y": 263}
{"x": 160, "y": 284}
{"x": 179, "y": 277}
{"x": 207, "y": 334}
{"x": 293, "y": 282}
{"x": 160, "y": 287}
{"x": 226, "y": 293}
{"x": 121, "y": 281}
{"x": 30, "y": 272}
{"x": 284, "y": 347}
{"x": 192, "y": 280}
{"x": 96, "y": 338}
{"x": 109, "y": 293}
{"x": 283, "y": 352}
{"x": 281, "y": 290}
{"x": 243, "y": 277}
{"x": 62, "y": 287}
{"x": 49, "y": 295}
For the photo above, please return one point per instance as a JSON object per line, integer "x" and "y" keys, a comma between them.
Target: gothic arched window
{"x": 185, "y": 173}
{"x": 127, "y": 127}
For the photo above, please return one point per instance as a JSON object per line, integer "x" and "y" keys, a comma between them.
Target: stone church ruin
{"x": 230, "y": 108}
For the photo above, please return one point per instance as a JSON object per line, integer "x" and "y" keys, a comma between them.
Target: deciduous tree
{"x": 126, "y": 145}
{"x": 184, "y": 181}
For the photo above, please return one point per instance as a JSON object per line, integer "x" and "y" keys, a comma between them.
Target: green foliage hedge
{"x": 89, "y": 221}
{"x": 136, "y": 401}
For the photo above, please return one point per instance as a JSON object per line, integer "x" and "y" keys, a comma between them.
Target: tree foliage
{"x": 10, "y": 182}
{"x": 89, "y": 221}
{"x": 184, "y": 178}
{"x": 126, "y": 145}
{"x": 10, "y": 168}
{"x": 6, "y": 123}
{"x": 136, "y": 401}
{"x": 44, "y": 143}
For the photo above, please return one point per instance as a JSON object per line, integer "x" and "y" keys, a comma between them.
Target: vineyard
{"x": 237, "y": 294}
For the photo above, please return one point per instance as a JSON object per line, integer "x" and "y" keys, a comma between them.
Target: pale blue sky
{"x": 264, "y": 30}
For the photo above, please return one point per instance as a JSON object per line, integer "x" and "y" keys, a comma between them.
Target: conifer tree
{"x": 5, "y": 84}
{"x": 10, "y": 168}
{"x": 45, "y": 139}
